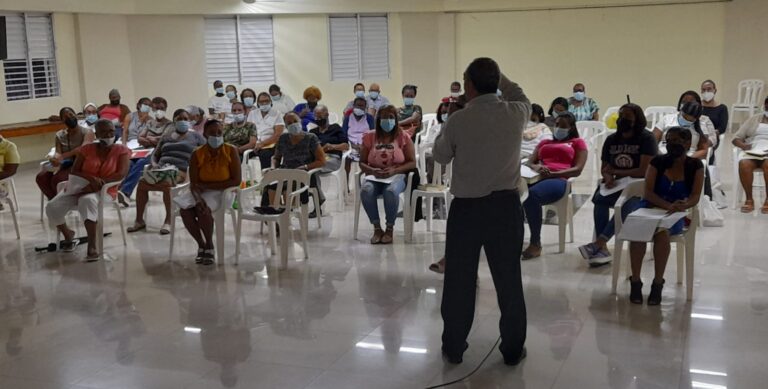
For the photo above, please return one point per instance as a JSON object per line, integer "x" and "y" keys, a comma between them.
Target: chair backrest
{"x": 428, "y": 120}
{"x": 654, "y": 114}
{"x": 608, "y": 112}
{"x": 591, "y": 131}
{"x": 522, "y": 189}
{"x": 750, "y": 92}
{"x": 333, "y": 118}
{"x": 289, "y": 180}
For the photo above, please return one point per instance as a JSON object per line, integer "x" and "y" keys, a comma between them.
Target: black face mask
{"x": 624, "y": 126}
{"x": 312, "y": 105}
{"x": 675, "y": 150}
{"x": 70, "y": 122}
{"x": 321, "y": 122}
{"x": 114, "y": 102}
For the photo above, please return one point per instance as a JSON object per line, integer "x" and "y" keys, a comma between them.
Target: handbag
{"x": 168, "y": 174}
{"x": 710, "y": 215}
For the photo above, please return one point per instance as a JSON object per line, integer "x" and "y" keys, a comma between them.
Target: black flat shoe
{"x": 200, "y": 256}
{"x": 636, "y": 292}
{"x": 516, "y": 361}
{"x": 654, "y": 298}
{"x": 454, "y": 358}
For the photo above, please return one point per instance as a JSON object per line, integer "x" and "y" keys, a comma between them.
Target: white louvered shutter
{"x": 375, "y": 47}
{"x": 42, "y": 54}
{"x": 257, "y": 51}
{"x": 17, "y": 80}
{"x": 221, "y": 57}
{"x": 345, "y": 53}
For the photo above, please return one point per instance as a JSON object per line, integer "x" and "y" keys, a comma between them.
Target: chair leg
{"x": 15, "y": 220}
{"x": 430, "y": 205}
{"x": 618, "y": 247}
{"x": 219, "y": 230}
{"x": 569, "y": 211}
{"x": 357, "y": 216}
{"x": 303, "y": 228}
{"x": 285, "y": 230}
{"x": 689, "y": 264}
{"x": 122, "y": 226}
{"x": 680, "y": 248}
{"x": 238, "y": 231}
{"x": 562, "y": 221}
{"x": 42, "y": 206}
{"x": 172, "y": 235}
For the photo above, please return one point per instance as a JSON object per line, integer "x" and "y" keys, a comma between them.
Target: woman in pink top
{"x": 386, "y": 155}
{"x": 96, "y": 164}
{"x": 556, "y": 160}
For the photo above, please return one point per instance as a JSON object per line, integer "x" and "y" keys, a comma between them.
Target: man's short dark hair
{"x": 484, "y": 74}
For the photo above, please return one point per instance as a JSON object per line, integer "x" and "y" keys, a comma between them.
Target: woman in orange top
{"x": 96, "y": 164}
{"x": 213, "y": 168}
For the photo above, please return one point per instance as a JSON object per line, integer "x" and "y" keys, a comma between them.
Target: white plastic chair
{"x": 654, "y": 114}
{"x": 13, "y": 202}
{"x": 608, "y": 112}
{"x": 758, "y": 181}
{"x": 748, "y": 100}
{"x": 284, "y": 179}
{"x": 564, "y": 210}
{"x": 333, "y": 118}
{"x": 405, "y": 201}
{"x": 593, "y": 132}
{"x": 104, "y": 196}
{"x": 251, "y": 168}
{"x": 218, "y": 218}
{"x": 316, "y": 198}
{"x": 340, "y": 175}
{"x": 685, "y": 243}
{"x": 435, "y": 189}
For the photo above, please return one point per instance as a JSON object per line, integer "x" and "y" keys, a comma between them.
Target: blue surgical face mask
{"x": 579, "y": 96}
{"x": 231, "y": 95}
{"x": 408, "y": 101}
{"x": 388, "y": 124}
{"x": 145, "y": 108}
{"x": 373, "y": 94}
{"x": 561, "y": 133}
{"x": 248, "y": 101}
{"x": 182, "y": 126}
{"x": 294, "y": 128}
{"x": 219, "y": 91}
{"x": 215, "y": 141}
{"x": 276, "y": 98}
{"x": 358, "y": 112}
{"x": 239, "y": 117}
{"x": 360, "y": 93}
{"x": 92, "y": 118}
{"x": 683, "y": 122}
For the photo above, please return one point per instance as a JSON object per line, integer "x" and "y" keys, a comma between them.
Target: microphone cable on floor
{"x": 471, "y": 372}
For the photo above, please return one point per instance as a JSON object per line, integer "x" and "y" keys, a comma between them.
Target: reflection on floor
{"x": 362, "y": 316}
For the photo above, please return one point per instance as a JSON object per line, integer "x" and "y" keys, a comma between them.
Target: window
{"x": 30, "y": 70}
{"x": 359, "y": 47}
{"x": 240, "y": 50}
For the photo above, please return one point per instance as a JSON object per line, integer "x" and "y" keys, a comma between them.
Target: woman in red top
{"x": 96, "y": 164}
{"x": 556, "y": 160}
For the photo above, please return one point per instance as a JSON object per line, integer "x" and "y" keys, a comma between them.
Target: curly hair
{"x": 313, "y": 91}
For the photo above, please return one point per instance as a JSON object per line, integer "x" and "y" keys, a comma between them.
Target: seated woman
{"x": 687, "y": 118}
{"x": 296, "y": 149}
{"x": 9, "y": 163}
{"x": 626, "y": 153}
{"x": 137, "y": 121}
{"x": 558, "y": 107}
{"x": 175, "y": 149}
{"x": 707, "y": 127}
{"x": 240, "y": 133}
{"x": 355, "y": 125}
{"x": 68, "y": 143}
{"x": 306, "y": 111}
{"x": 752, "y": 135}
{"x": 213, "y": 168}
{"x": 95, "y": 164}
{"x": 248, "y": 98}
{"x": 581, "y": 106}
{"x": 387, "y": 155}
{"x": 673, "y": 182}
{"x": 556, "y": 161}
{"x": 90, "y": 116}
{"x": 280, "y": 101}
{"x": 535, "y": 132}
{"x": 716, "y": 111}
{"x": 359, "y": 90}
{"x": 269, "y": 126}
{"x": 409, "y": 115}
{"x": 334, "y": 143}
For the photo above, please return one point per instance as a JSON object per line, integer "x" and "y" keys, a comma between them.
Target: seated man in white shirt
{"x": 218, "y": 104}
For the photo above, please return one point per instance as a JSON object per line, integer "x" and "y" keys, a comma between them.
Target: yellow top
{"x": 214, "y": 168}
{"x": 9, "y": 155}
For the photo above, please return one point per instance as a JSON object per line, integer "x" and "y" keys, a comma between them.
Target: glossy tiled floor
{"x": 361, "y": 316}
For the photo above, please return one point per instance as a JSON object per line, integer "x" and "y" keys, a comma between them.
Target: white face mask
{"x": 107, "y": 141}
{"x": 765, "y": 113}
{"x": 708, "y": 96}
{"x": 159, "y": 114}
{"x": 455, "y": 94}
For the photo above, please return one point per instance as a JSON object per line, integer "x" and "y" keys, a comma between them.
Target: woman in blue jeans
{"x": 626, "y": 153}
{"x": 556, "y": 160}
{"x": 386, "y": 156}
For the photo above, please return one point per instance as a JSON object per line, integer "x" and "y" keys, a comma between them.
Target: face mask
{"x": 215, "y": 141}
{"x": 265, "y": 107}
{"x": 408, "y": 101}
{"x": 358, "y": 112}
{"x": 765, "y": 113}
{"x": 312, "y": 105}
{"x": 561, "y": 133}
{"x": 675, "y": 150}
{"x": 624, "y": 126}
{"x": 231, "y": 95}
{"x": 107, "y": 141}
{"x": 708, "y": 96}
{"x": 321, "y": 122}
{"x": 531, "y": 123}
{"x": 373, "y": 94}
{"x": 683, "y": 122}
{"x": 294, "y": 128}
{"x": 388, "y": 124}
{"x": 276, "y": 98}
{"x": 555, "y": 114}
{"x": 444, "y": 117}
{"x": 159, "y": 114}
{"x": 239, "y": 117}
{"x": 114, "y": 102}
{"x": 360, "y": 93}
{"x": 145, "y": 108}
{"x": 219, "y": 91}
{"x": 182, "y": 126}
{"x": 248, "y": 101}
{"x": 579, "y": 96}
{"x": 92, "y": 118}
{"x": 70, "y": 122}
{"x": 498, "y": 92}
{"x": 455, "y": 94}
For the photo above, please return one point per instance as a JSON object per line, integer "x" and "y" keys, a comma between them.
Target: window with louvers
{"x": 359, "y": 47}
{"x": 30, "y": 70}
{"x": 240, "y": 50}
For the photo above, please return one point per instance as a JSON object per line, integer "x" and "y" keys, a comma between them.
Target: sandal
{"x": 136, "y": 228}
{"x": 438, "y": 267}
{"x": 208, "y": 257}
{"x": 764, "y": 208}
{"x": 92, "y": 257}
{"x": 748, "y": 206}
{"x": 166, "y": 229}
{"x": 387, "y": 238}
{"x": 70, "y": 246}
{"x": 200, "y": 256}
{"x": 532, "y": 251}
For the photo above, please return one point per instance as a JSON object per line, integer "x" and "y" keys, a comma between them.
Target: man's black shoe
{"x": 516, "y": 361}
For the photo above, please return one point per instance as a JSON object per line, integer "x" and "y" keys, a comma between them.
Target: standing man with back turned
{"x": 483, "y": 141}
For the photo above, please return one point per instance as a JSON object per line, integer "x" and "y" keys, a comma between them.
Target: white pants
{"x": 212, "y": 198}
{"x": 59, "y": 206}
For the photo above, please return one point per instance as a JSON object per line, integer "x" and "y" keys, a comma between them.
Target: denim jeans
{"x": 370, "y": 192}
{"x": 542, "y": 193}
{"x": 135, "y": 170}
{"x": 604, "y": 223}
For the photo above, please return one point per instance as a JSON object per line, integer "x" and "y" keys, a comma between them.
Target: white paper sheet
{"x": 621, "y": 183}
{"x": 641, "y": 225}
{"x": 133, "y": 144}
{"x": 387, "y": 180}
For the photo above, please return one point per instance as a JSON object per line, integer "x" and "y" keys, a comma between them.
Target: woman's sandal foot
{"x": 748, "y": 206}
{"x": 70, "y": 245}
{"x": 438, "y": 267}
{"x": 208, "y": 257}
{"x": 166, "y": 229}
{"x": 136, "y": 228}
{"x": 92, "y": 256}
{"x": 200, "y": 256}
{"x": 764, "y": 208}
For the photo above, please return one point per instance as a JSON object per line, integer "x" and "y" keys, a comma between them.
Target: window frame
{"x": 360, "y": 71}
{"x": 30, "y": 62}
{"x": 238, "y": 44}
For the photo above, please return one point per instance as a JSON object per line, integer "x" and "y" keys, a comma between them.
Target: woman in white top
{"x": 535, "y": 132}
{"x": 688, "y": 118}
{"x": 280, "y": 101}
{"x": 269, "y": 126}
{"x": 752, "y": 139}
